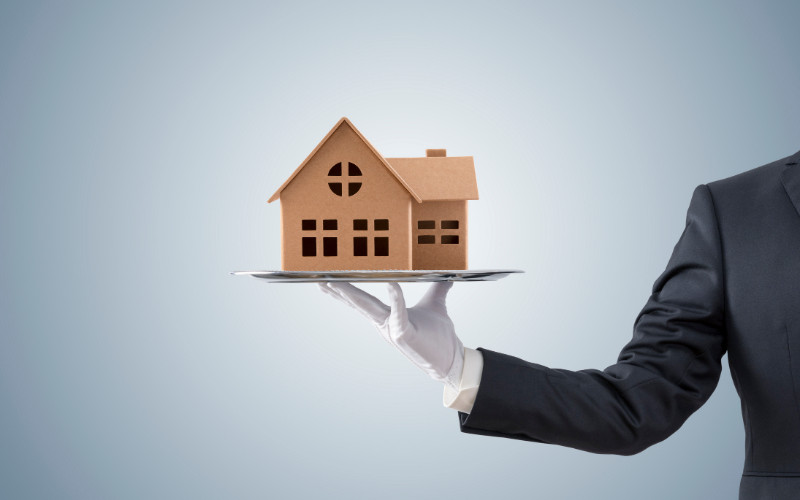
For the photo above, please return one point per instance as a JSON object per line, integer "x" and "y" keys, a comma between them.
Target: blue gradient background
{"x": 139, "y": 143}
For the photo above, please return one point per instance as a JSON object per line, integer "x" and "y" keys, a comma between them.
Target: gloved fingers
{"x": 399, "y": 314}
{"x": 327, "y": 291}
{"x": 363, "y": 302}
{"x": 436, "y": 294}
{"x": 326, "y": 288}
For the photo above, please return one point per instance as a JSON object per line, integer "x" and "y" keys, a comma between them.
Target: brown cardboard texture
{"x": 346, "y": 207}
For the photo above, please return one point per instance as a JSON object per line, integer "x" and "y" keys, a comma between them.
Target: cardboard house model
{"x": 346, "y": 207}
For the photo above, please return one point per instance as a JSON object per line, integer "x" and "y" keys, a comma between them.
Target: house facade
{"x": 348, "y": 208}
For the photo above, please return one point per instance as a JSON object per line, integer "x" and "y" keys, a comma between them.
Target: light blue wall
{"x": 139, "y": 143}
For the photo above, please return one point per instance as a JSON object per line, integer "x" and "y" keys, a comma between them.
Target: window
{"x": 360, "y": 246}
{"x": 426, "y": 239}
{"x": 337, "y": 180}
{"x": 449, "y": 224}
{"x": 381, "y": 246}
{"x": 330, "y": 225}
{"x": 329, "y": 246}
{"x": 449, "y": 239}
{"x": 309, "y": 225}
{"x": 309, "y": 246}
{"x": 361, "y": 243}
{"x": 426, "y": 224}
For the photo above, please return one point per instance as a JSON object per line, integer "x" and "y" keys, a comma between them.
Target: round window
{"x": 337, "y": 179}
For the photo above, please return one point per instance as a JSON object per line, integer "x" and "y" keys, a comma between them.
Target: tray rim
{"x": 379, "y": 276}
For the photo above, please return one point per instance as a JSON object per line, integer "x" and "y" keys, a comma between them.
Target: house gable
{"x": 344, "y": 173}
{"x": 344, "y": 123}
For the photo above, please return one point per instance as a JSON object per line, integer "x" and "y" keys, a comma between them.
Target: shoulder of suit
{"x": 760, "y": 180}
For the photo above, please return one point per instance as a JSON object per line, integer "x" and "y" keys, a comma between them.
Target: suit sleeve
{"x": 666, "y": 372}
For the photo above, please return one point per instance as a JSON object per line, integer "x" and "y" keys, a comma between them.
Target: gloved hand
{"x": 423, "y": 333}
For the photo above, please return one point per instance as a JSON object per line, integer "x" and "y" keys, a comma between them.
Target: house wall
{"x": 443, "y": 252}
{"x": 381, "y": 197}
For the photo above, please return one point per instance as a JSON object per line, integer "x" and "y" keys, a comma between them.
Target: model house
{"x": 346, "y": 207}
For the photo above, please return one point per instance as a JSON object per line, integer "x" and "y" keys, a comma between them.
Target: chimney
{"x": 435, "y": 152}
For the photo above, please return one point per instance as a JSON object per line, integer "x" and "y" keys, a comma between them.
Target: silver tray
{"x": 378, "y": 276}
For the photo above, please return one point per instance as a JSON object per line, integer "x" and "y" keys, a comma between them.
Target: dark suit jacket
{"x": 732, "y": 284}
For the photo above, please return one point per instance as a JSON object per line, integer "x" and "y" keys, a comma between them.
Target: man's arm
{"x": 666, "y": 372}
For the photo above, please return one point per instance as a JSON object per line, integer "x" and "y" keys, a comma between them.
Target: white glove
{"x": 423, "y": 333}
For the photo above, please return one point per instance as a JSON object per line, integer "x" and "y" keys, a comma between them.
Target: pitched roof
{"x": 426, "y": 179}
{"x": 342, "y": 121}
{"x": 439, "y": 178}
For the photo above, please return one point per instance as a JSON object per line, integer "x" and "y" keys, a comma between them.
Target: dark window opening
{"x": 330, "y": 225}
{"x": 426, "y": 239}
{"x": 449, "y": 224}
{"x": 426, "y": 224}
{"x": 360, "y": 246}
{"x": 360, "y": 224}
{"x": 381, "y": 224}
{"x": 352, "y": 169}
{"x": 309, "y": 246}
{"x": 309, "y": 225}
{"x": 329, "y": 246}
{"x": 381, "y": 246}
{"x": 449, "y": 239}
{"x": 338, "y": 188}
